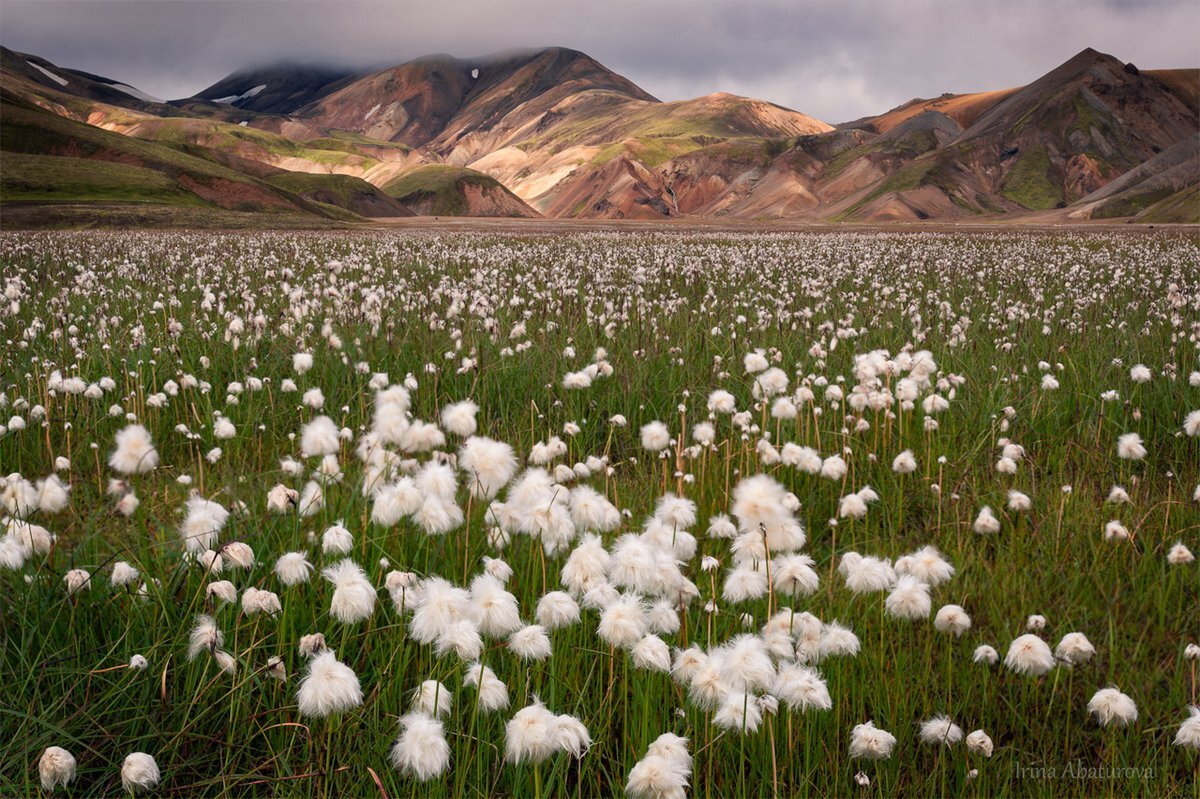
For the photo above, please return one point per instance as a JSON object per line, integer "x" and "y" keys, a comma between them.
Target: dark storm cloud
{"x": 835, "y": 60}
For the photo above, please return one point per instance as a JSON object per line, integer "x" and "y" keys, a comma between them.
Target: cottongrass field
{"x": 657, "y": 515}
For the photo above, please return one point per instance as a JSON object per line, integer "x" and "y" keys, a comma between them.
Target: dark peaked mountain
{"x": 556, "y": 133}
{"x": 277, "y": 89}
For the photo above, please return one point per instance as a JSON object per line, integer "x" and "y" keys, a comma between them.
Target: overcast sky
{"x": 834, "y": 59}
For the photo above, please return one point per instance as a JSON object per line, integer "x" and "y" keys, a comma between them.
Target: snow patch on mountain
{"x": 234, "y": 99}
{"x": 61, "y": 81}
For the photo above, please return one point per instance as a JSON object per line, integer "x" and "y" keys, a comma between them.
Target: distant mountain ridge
{"x": 553, "y": 132}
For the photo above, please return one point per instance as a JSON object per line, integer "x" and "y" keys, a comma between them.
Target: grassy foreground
{"x": 501, "y": 321}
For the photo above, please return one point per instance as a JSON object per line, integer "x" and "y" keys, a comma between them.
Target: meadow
{"x": 702, "y": 514}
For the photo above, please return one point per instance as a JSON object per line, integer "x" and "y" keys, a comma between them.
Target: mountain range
{"x": 554, "y": 133}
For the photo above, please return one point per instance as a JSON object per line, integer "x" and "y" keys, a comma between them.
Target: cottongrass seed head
{"x": 56, "y": 767}
{"x": 432, "y": 698}
{"x": 493, "y": 693}
{"x": 1029, "y": 655}
{"x": 135, "y": 452}
{"x": 979, "y": 743}
{"x": 941, "y": 730}
{"x": 1074, "y": 648}
{"x": 1188, "y": 735}
{"x": 204, "y": 637}
{"x": 353, "y": 595}
{"x": 658, "y": 777}
{"x": 421, "y": 751}
{"x": 329, "y": 687}
{"x": 952, "y": 619}
{"x": 139, "y": 772}
{"x": 1109, "y": 706}
{"x": 868, "y": 741}
{"x": 529, "y": 735}
{"x": 293, "y": 568}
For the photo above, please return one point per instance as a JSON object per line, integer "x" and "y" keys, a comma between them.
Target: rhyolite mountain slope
{"x": 553, "y": 132}
{"x": 1169, "y": 173}
{"x": 443, "y": 96}
{"x": 40, "y": 72}
{"x": 50, "y": 161}
{"x": 556, "y": 127}
{"x": 1041, "y": 146}
{"x": 444, "y": 190}
{"x": 64, "y": 160}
